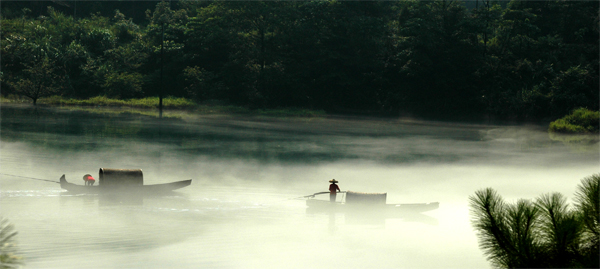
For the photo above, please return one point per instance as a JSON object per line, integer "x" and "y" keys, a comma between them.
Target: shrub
{"x": 580, "y": 120}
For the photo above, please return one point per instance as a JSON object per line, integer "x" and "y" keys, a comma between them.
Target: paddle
{"x": 314, "y": 194}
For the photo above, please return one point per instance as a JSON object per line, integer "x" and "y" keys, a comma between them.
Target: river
{"x": 240, "y": 210}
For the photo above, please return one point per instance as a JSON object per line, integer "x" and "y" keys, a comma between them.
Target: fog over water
{"x": 240, "y": 211}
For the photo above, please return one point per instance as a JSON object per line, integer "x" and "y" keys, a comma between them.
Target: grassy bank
{"x": 169, "y": 103}
{"x": 149, "y": 102}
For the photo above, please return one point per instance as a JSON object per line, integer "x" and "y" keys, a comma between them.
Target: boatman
{"x": 333, "y": 189}
{"x": 89, "y": 180}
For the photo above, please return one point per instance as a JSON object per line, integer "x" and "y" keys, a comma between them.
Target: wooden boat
{"x": 374, "y": 202}
{"x": 155, "y": 188}
{"x": 315, "y": 204}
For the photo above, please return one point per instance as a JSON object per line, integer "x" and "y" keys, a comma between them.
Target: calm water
{"x": 239, "y": 211}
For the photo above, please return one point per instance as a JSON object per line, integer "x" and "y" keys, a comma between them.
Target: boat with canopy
{"x": 122, "y": 181}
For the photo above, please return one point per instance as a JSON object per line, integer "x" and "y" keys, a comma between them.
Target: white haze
{"x": 239, "y": 211}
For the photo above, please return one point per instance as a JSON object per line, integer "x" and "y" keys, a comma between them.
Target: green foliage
{"x": 587, "y": 200}
{"x": 200, "y": 83}
{"x": 124, "y": 29}
{"x": 544, "y": 234}
{"x": 563, "y": 126}
{"x": 437, "y": 54}
{"x": 38, "y": 80}
{"x": 8, "y": 247}
{"x": 560, "y": 229}
{"x": 572, "y": 89}
{"x": 581, "y": 120}
{"x": 534, "y": 68}
{"x": 98, "y": 40}
{"x": 169, "y": 102}
{"x": 123, "y": 85}
{"x": 527, "y": 59}
{"x": 489, "y": 210}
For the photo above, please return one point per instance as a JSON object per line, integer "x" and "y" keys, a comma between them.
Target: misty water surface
{"x": 239, "y": 211}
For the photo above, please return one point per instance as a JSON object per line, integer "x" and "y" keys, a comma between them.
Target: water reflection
{"x": 311, "y": 141}
{"x": 118, "y": 199}
{"x": 373, "y": 217}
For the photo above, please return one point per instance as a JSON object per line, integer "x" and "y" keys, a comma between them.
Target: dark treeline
{"x": 520, "y": 59}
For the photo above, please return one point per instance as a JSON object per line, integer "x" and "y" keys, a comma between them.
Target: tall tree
{"x": 165, "y": 34}
{"x": 38, "y": 80}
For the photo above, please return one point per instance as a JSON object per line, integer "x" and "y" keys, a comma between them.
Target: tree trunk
{"x": 162, "y": 63}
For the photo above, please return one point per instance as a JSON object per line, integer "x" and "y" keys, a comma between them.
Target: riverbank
{"x": 175, "y": 107}
{"x": 149, "y": 106}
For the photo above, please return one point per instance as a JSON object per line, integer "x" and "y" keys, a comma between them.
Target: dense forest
{"x": 517, "y": 59}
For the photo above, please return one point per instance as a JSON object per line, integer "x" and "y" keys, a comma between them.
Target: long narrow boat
{"x": 315, "y": 204}
{"x": 367, "y": 202}
{"x": 166, "y": 187}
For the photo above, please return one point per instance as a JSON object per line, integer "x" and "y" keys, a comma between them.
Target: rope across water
{"x": 53, "y": 181}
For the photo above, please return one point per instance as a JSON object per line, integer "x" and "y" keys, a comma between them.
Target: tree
{"x": 587, "y": 198}
{"x": 541, "y": 59}
{"x": 38, "y": 80}
{"x": 8, "y": 247}
{"x": 543, "y": 234}
{"x": 435, "y": 59}
{"x": 165, "y": 33}
{"x": 518, "y": 59}
{"x": 340, "y": 50}
{"x": 123, "y": 85}
{"x": 200, "y": 84}
{"x": 240, "y": 42}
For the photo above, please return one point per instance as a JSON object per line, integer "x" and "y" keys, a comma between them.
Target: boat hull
{"x": 157, "y": 188}
{"x": 316, "y": 205}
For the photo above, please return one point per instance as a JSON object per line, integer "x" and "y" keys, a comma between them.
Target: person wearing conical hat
{"x": 89, "y": 180}
{"x": 333, "y": 189}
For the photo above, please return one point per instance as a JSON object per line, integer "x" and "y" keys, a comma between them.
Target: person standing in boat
{"x": 333, "y": 189}
{"x": 89, "y": 180}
